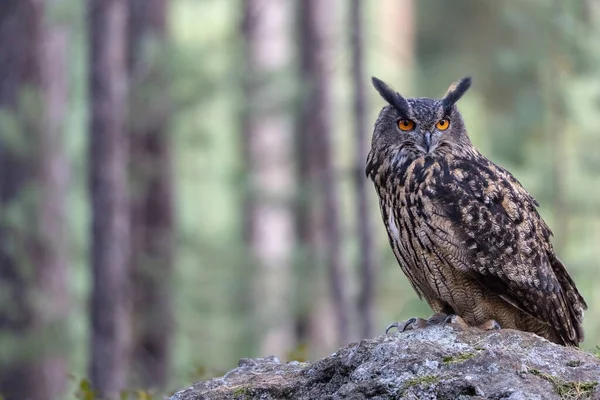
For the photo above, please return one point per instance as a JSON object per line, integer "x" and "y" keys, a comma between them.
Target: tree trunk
{"x": 33, "y": 271}
{"x": 52, "y": 300}
{"x": 108, "y": 154}
{"x": 152, "y": 196}
{"x": 268, "y": 150}
{"x": 398, "y": 33}
{"x": 322, "y": 230}
{"x": 20, "y": 23}
{"x": 367, "y": 266}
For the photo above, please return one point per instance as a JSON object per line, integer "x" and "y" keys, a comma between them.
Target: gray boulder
{"x": 439, "y": 362}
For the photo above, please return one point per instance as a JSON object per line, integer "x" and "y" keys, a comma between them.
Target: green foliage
{"x": 86, "y": 392}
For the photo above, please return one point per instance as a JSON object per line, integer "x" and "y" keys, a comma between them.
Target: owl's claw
{"x": 400, "y": 326}
{"x": 390, "y": 326}
{"x": 456, "y": 320}
{"x": 491, "y": 325}
{"x": 440, "y": 318}
{"x": 417, "y": 323}
{"x": 410, "y": 324}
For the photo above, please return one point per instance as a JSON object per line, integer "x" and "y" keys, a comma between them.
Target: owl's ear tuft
{"x": 455, "y": 92}
{"x": 391, "y": 96}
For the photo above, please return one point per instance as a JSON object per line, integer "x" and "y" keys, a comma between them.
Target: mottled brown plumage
{"x": 463, "y": 229}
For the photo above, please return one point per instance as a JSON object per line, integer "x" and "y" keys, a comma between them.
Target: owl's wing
{"x": 487, "y": 224}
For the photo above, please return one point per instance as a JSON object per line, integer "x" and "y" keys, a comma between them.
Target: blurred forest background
{"x": 182, "y": 181}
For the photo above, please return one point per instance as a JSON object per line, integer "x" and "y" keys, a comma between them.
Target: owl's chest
{"x": 410, "y": 234}
{"x": 410, "y": 213}
{"x": 414, "y": 187}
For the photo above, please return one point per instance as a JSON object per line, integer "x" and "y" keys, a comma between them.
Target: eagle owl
{"x": 463, "y": 229}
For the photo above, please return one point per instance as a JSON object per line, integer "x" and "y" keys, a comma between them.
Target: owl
{"x": 465, "y": 232}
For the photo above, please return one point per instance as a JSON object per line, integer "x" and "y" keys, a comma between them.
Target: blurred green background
{"x": 534, "y": 108}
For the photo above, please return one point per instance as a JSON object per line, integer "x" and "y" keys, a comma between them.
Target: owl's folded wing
{"x": 488, "y": 226}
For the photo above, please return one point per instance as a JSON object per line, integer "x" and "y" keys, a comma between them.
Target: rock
{"x": 439, "y": 362}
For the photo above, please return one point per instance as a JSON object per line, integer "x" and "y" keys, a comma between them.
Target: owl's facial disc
{"x": 423, "y": 125}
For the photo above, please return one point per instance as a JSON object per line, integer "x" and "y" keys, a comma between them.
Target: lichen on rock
{"x": 439, "y": 362}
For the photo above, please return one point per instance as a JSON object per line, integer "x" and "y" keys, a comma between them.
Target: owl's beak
{"x": 427, "y": 141}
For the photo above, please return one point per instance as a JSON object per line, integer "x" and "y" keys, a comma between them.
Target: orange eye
{"x": 443, "y": 124}
{"x": 406, "y": 125}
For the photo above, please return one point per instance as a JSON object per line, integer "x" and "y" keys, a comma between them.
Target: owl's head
{"x": 416, "y": 127}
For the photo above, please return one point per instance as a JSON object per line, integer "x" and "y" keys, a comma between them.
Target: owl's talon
{"x": 390, "y": 326}
{"x": 409, "y": 324}
{"x": 491, "y": 325}
{"x": 456, "y": 320}
{"x": 414, "y": 323}
{"x": 419, "y": 323}
{"x": 401, "y": 326}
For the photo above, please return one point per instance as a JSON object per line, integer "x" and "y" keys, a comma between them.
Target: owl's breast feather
{"x": 393, "y": 227}
{"x": 421, "y": 175}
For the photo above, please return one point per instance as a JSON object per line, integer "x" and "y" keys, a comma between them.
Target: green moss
{"x": 242, "y": 393}
{"x": 458, "y": 358}
{"x": 573, "y": 363}
{"x": 421, "y": 380}
{"x": 567, "y": 390}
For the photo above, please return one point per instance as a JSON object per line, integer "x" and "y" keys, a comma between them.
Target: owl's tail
{"x": 574, "y": 301}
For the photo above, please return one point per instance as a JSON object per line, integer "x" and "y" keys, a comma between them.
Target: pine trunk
{"x": 33, "y": 272}
{"x": 321, "y": 230}
{"x": 152, "y": 197}
{"x": 52, "y": 274}
{"x": 398, "y": 35}
{"x": 367, "y": 266}
{"x": 268, "y": 150}
{"x": 152, "y": 194}
{"x": 108, "y": 154}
